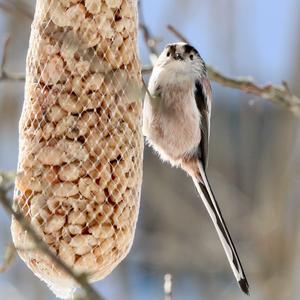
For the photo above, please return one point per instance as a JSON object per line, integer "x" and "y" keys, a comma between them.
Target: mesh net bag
{"x": 79, "y": 171}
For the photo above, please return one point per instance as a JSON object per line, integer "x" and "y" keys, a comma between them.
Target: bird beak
{"x": 177, "y": 56}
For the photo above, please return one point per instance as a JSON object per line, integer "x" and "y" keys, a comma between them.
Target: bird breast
{"x": 175, "y": 123}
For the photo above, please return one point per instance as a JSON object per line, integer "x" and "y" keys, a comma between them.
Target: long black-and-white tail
{"x": 211, "y": 205}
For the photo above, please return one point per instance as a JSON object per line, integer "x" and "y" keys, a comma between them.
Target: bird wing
{"x": 203, "y": 100}
{"x": 202, "y": 95}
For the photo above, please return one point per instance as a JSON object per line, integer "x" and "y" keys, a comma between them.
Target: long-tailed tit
{"x": 176, "y": 123}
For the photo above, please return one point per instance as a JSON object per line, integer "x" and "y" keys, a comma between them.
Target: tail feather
{"x": 214, "y": 211}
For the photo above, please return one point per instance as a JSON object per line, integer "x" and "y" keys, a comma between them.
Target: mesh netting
{"x": 79, "y": 172}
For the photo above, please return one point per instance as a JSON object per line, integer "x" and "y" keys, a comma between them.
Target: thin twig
{"x": 177, "y": 34}
{"x": 149, "y": 39}
{"x": 280, "y": 94}
{"x": 80, "y": 279}
{"x": 147, "y": 90}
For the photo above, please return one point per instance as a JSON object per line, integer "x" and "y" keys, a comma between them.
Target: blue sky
{"x": 240, "y": 37}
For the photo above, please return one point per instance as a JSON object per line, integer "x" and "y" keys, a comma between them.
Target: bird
{"x": 176, "y": 124}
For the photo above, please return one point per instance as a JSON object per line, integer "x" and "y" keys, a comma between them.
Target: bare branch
{"x": 147, "y": 90}
{"x": 80, "y": 279}
{"x": 168, "y": 286}
{"x": 177, "y": 34}
{"x": 4, "y": 74}
{"x": 275, "y": 93}
{"x": 9, "y": 257}
{"x": 280, "y": 94}
{"x": 13, "y": 8}
{"x": 146, "y": 69}
{"x": 4, "y": 56}
{"x": 149, "y": 39}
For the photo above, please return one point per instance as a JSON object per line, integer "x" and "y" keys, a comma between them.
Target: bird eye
{"x": 191, "y": 57}
{"x": 168, "y": 54}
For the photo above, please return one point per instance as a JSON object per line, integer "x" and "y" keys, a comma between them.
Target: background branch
{"x": 4, "y": 74}
{"x": 279, "y": 94}
{"x": 168, "y": 286}
{"x": 6, "y": 183}
{"x": 16, "y": 9}
{"x": 9, "y": 257}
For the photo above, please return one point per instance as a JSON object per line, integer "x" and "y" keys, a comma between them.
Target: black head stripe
{"x": 172, "y": 49}
{"x": 190, "y": 49}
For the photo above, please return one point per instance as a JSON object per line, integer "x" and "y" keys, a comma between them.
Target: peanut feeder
{"x": 79, "y": 172}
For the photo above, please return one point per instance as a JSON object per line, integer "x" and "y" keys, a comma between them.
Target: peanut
{"x": 51, "y": 156}
{"x": 69, "y": 172}
{"x": 77, "y": 218}
{"x": 55, "y": 114}
{"x": 89, "y": 189}
{"x": 113, "y": 3}
{"x": 75, "y": 15}
{"x": 83, "y": 244}
{"x": 53, "y": 71}
{"x": 66, "y": 189}
{"x": 70, "y": 103}
{"x": 93, "y": 6}
{"x": 66, "y": 253}
{"x": 54, "y": 224}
